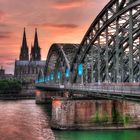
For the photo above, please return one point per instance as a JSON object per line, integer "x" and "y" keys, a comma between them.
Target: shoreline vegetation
{"x": 14, "y": 90}
{"x": 10, "y": 86}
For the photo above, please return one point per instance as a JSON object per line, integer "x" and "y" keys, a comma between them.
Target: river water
{"x": 99, "y": 135}
{"x": 24, "y": 120}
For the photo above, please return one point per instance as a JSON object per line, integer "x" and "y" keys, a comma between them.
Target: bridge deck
{"x": 123, "y": 90}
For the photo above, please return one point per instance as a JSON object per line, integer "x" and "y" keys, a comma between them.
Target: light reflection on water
{"x": 23, "y": 120}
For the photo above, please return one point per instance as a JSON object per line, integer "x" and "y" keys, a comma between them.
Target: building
{"x": 27, "y": 68}
{"x": 2, "y": 72}
{"x": 4, "y": 76}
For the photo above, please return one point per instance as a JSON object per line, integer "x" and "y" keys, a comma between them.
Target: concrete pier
{"x": 94, "y": 114}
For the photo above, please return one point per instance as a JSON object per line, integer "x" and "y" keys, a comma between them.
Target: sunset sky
{"x": 58, "y": 21}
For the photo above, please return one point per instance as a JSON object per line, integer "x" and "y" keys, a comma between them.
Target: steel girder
{"x": 110, "y": 50}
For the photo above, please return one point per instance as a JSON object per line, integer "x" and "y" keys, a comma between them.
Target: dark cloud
{"x": 52, "y": 25}
{"x": 5, "y": 35}
{"x": 3, "y": 25}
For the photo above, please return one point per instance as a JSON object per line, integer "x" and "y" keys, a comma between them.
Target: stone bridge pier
{"x": 94, "y": 114}
{"x": 89, "y": 113}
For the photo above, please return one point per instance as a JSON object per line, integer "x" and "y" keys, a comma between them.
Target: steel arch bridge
{"x": 59, "y": 61}
{"x": 108, "y": 53}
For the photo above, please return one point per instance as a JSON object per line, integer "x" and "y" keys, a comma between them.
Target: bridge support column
{"x": 40, "y": 97}
{"x": 93, "y": 114}
{"x": 79, "y": 113}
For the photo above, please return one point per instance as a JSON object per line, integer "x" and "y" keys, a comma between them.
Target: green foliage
{"x": 98, "y": 119}
{"x": 126, "y": 119}
{"x": 7, "y": 86}
{"x": 117, "y": 118}
{"x": 115, "y": 115}
{"x": 105, "y": 118}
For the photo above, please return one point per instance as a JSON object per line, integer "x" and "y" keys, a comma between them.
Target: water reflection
{"x": 98, "y": 135}
{"x": 23, "y": 120}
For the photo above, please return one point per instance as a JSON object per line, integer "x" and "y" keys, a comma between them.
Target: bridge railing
{"x": 50, "y": 85}
{"x": 110, "y": 88}
{"x": 117, "y": 88}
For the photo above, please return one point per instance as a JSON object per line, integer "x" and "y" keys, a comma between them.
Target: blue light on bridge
{"x": 41, "y": 80}
{"x": 58, "y": 75}
{"x": 48, "y": 77}
{"x": 80, "y": 69}
{"x": 67, "y": 73}
{"x": 52, "y": 76}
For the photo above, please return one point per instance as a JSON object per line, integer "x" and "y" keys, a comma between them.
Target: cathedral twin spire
{"x": 24, "y": 48}
{"x": 35, "y": 50}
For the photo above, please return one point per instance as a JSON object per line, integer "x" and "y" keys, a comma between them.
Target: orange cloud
{"x": 52, "y": 25}
{"x": 68, "y": 4}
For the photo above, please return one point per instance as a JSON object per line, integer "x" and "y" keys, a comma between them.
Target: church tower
{"x": 24, "y": 49}
{"x": 35, "y": 50}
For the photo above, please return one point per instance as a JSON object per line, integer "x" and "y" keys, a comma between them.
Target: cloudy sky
{"x": 63, "y": 21}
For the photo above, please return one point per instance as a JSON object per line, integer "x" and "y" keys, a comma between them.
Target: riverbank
{"x": 16, "y": 96}
{"x": 23, "y": 94}
{"x": 26, "y": 92}
{"x": 95, "y": 127}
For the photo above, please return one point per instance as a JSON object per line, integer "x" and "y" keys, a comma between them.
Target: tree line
{"x": 10, "y": 86}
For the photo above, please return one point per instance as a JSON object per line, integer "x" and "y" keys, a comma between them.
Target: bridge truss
{"x": 108, "y": 53}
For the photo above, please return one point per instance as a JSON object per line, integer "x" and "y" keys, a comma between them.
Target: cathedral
{"x": 27, "y": 68}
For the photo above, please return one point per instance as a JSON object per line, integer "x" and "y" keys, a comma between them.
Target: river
{"x": 99, "y": 135}
{"x": 24, "y": 120}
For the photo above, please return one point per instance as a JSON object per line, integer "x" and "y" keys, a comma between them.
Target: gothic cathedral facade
{"x": 27, "y": 68}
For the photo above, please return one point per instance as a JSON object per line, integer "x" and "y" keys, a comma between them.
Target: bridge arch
{"x": 107, "y": 61}
{"x": 110, "y": 50}
{"x": 59, "y": 61}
